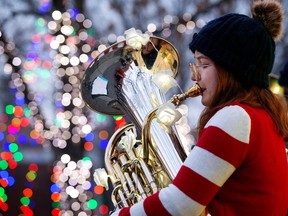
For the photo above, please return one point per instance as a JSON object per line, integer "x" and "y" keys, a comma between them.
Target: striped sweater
{"x": 238, "y": 167}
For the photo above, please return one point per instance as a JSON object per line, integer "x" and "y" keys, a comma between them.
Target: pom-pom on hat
{"x": 245, "y": 46}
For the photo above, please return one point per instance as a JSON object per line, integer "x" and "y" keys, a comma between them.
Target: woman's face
{"x": 205, "y": 74}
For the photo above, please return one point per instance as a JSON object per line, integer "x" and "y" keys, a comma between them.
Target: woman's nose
{"x": 193, "y": 77}
{"x": 194, "y": 72}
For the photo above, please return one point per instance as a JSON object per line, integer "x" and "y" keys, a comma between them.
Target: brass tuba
{"x": 141, "y": 157}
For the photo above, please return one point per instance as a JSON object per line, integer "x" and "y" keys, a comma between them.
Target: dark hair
{"x": 229, "y": 90}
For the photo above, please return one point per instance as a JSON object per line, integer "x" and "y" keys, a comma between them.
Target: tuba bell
{"x": 143, "y": 156}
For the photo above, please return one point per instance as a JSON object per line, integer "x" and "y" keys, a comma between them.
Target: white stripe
{"x": 178, "y": 203}
{"x": 138, "y": 209}
{"x": 234, "y": 120}
{"x": 209, "y": 165}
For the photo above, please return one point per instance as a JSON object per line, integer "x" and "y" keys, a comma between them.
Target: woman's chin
{"x": 205, "y": 102}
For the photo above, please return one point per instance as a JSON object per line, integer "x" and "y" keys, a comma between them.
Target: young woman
{"x": 239, "y": 164}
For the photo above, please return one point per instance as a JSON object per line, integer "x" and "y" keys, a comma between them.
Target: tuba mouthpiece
{"x": 194, "y": 91}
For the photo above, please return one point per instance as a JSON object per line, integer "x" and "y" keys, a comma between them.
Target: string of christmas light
{"x": 12, "y": 126}
{"x": 27, "y": 203}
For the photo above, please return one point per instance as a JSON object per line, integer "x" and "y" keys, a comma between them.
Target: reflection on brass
{"x": 112, "y": 64}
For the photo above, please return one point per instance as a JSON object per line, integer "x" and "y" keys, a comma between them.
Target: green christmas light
{"x": 3, "y": 197}
{"x": 13, "y": 147}
{"x": 27, "y": 112}
{"x": 3, "y": 164}
{"x": 25, "y": 201}
{"x": 86, "y": 159}
{"x": 2, "y": 191}
{"x": 92, "y": 204}
{"x": 117, "y": 117}
{"x": 101, "y": 118}
{"x": 9, "y": 109}
{"x": 56, "y": 204}
{"x": 91, "y": 32}
{"x": 40, "y": 22}
{"x": 18, "y": 156}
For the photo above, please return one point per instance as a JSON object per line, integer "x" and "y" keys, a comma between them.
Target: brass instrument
{"x": 141, "y": 157}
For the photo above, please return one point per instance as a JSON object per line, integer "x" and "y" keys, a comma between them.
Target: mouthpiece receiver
{"x": 194, "y": 91}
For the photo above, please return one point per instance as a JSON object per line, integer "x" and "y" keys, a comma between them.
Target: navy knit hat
{"x": 242, "y": 45}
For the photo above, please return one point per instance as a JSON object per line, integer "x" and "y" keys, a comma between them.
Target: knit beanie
{"x": 283, "y": 78}
{"x": 244, "y": 46}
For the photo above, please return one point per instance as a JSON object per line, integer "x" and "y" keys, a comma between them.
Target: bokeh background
{"x": 50, "y": 141}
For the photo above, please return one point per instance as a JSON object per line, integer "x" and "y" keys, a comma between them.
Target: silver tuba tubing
{"x": 141, "y": 157}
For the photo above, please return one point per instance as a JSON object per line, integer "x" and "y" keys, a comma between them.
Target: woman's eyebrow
{"x": 200, "y": 57}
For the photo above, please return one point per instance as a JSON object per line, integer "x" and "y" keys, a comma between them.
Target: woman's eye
{"x": 203, "y": 65}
